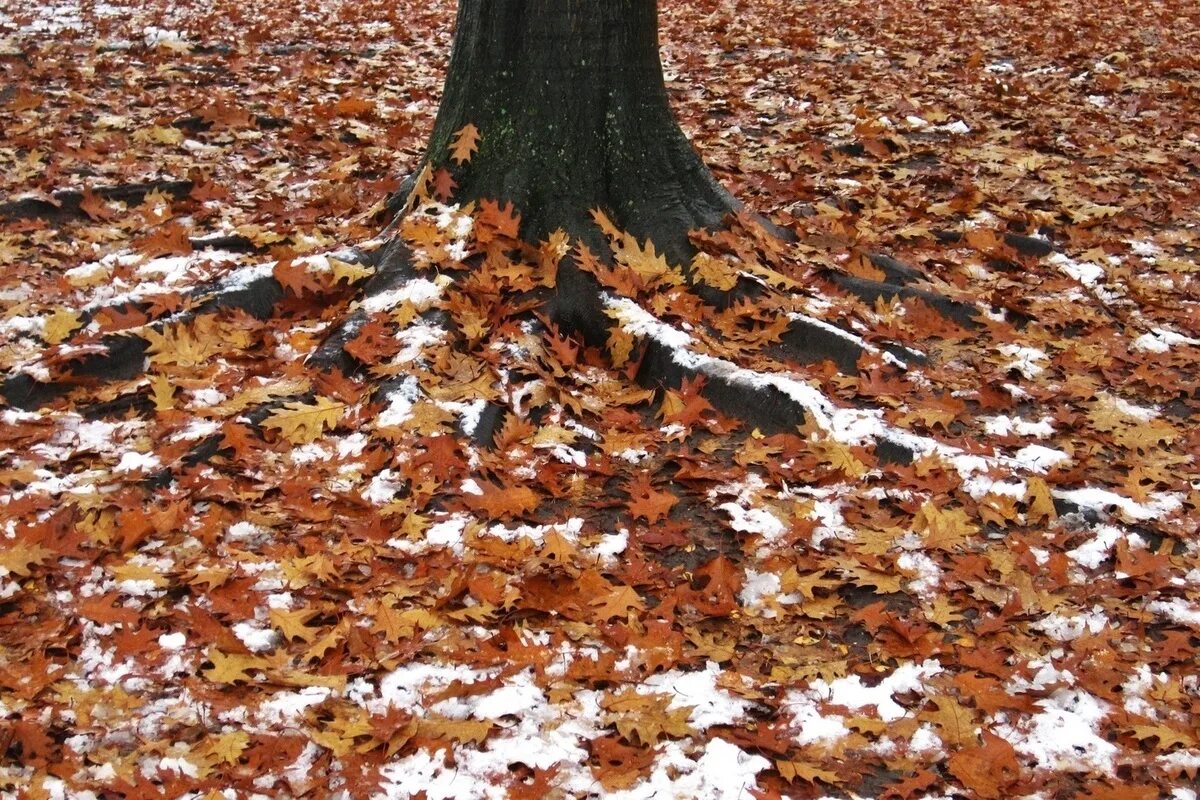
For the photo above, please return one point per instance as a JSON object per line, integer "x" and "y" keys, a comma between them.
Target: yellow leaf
{"x": 798, "y": 770}
{"x": 714, "y": 272}
{"x": 466, "y": 142}
{"x": 1041, "y": 504}
{"x": 256, "y": 395}
{"x": 837, "y": 455}
{"x": 620, "y": 346}
{"x": 162, "y": 393}
{"x": 617, "y": 603}
{"x": 455, "y": 730}
{"x": 349, "y": 271}
{"x": 645, "y": 261}
{"x": 16, "y": 559}
{"x": 59, "y": 325}
{"x": 1167, "y": 737}
{"x": 225, "y": 748}
{"x": 644, "y": 718}
{"x": 943, "y": 530}
{"x": 138, "y": 572}
{"x": 302, "y": 423}
{"x": 193, "y": 344}
{"x": 292, "y": 623}
{"x": 231, "y": 668}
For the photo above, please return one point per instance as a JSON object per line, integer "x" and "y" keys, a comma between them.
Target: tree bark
{"x": 568, "y": 96}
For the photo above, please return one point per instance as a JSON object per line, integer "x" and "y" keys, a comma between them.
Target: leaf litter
{"x": 626, "y": 595}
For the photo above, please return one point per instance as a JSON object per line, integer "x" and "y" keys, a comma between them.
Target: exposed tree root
{"x": 579, "y": 304}
{"x": 68, "y": 203}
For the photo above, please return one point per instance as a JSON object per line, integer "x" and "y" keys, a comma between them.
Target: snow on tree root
{"x": 252, "y": 289}
{"x": 746, "y": 393}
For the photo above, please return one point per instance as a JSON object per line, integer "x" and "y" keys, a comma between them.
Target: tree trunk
{"x": 568, "y": 97}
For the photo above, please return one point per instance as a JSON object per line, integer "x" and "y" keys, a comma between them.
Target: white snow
{"x": 710, "y": 704}
{"x": 758, "y": 521}
{"x": 420, "y": 292}
{"x": 814, "y": 727}
{"x": 1063, "y": 628}
{"x": 1064, "y": 736}
{"x": 1029, "y": 361}
{"x": 1160, "y": 340}
{"x": 257, "y": 638}
{"x": 1086, "y": 273}
{"x": 1160, "y": 504}
{"x": 851, "y": 692}
{"x": 927, "y": 574}
{"x": 1007, "y": 426}
{"x": 137, "y": 462}
{"x": 756, "y": 586}
{"x": 1177, "y": 610}
{"x": 722, "y": 772}
{"x": 400, "y": 404}
{"x": 286, "y": 706}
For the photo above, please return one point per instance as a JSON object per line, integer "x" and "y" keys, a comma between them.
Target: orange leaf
{"x": 502, "y": 501}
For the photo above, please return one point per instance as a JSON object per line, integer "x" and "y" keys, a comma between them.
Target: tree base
{"x": 729, "y": 325}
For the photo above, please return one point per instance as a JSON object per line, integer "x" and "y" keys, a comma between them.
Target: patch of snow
{"x": 383, "y": 487}
{"x": 813, "y": 726}
{"x": 1160, "y": 340}
{"x": 400, "y": 404}
{"x": 1064, "y": 628}
{"x": 928, "y": 575}
{"x": 1006, "y": 426}
{"x": 1064, "y": 736}
{"x": 1039, "y": 458}
{"x": 851, "y": 692}
{"x": 756, "y": 586}
{"x": 1177, "y": 610}
{"x": 1026, "y": 360}
{"x": 256, "y": 638}
{"x": 1086, "y": 273}
{"x": 136, "y": 462}
{"x": 758, "y": 521}
{"x": 698, "y": 690}
{"x": 1160, "y": 504}
{"x": 284, "y": 707}
{"x": 419, "y": 292}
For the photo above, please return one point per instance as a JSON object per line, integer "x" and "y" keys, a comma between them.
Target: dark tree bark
{"x": 569, "y": 98}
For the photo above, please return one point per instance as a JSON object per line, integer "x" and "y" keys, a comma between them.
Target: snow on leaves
{"x": 624, "y": 591}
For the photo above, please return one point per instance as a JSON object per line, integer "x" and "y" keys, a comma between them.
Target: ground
{"x": 625, "y": 594}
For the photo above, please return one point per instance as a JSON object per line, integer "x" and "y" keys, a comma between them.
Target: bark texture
{"x": 570, "y": 101}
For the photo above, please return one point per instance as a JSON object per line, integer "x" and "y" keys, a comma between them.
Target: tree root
{"x": 67, "y": 204}
{"x": 579, "y": 306}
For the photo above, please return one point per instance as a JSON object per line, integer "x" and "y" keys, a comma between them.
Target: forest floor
{"x": 626, "y": 595}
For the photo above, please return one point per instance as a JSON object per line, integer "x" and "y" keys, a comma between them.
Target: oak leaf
{"x": 466, "y": 142}
{"x": 60, "y": 325}
{"x": 443, "y": 185}
{"x": 455, "y": 730}
{"x": 647, "y": 502}
{"x": 18, "y": 558}
{"x": 292, "y": 624}
{"x": 301, "y": 423}
{"x": 798, "y": 770}
{"x": 943, "y": 530}
{"x": 502, "y": 501}
{"x": 617, "y": 603}
{"x": 297, "y": 278}
{"x": 231, "y": 668}
{"x": 645, "y": 718}
{"x": 986, "y": 770}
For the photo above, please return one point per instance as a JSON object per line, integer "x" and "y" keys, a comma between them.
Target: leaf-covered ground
{"x": 628, "y": 595}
